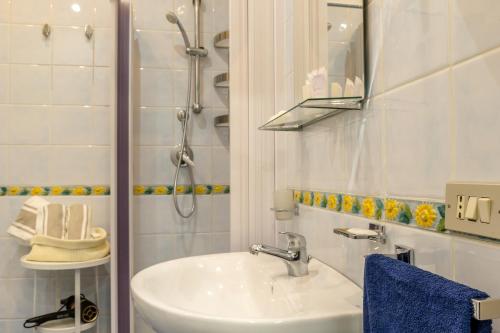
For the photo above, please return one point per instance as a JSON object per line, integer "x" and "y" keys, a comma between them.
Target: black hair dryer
{"x": 88, "y": 310}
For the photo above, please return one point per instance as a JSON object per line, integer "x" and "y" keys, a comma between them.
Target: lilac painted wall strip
{"x": 122, "y": 172}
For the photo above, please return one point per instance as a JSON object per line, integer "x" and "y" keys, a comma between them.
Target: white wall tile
{"x": 179, "y": 58}
{"x": 4, "y": 11}
{"x": 185, "y": 11}
{"x": 104, "y": 47}
{"x": 11, "y": 325}
{"x": 157, "y": 215}
{"x": 30, "y": 11}
{"x": 30, "y": 84}
{"x": 155, "y": 126}
{"x": 221, "y": 219}
{"x": 28, "y": 125}
{"x": 4, "y": 173}
{"x": 4, "y": 43}
{"x": 153, "y": 249}
{"x": 475, "y": 88}
{"x": 476, "y": 265}
{"x": 152, "y": 165}
{"x": 433, "y": 251}
{"x": 203, "y": 166}
{"x": 156, "y": 87}
{"x": 154, "y": 48}
{"x": 472, "y": 27}
{"x": 29, "y": 46}
{"x": 79, "y": 165}
{"x": 415, "y": 39}
{"x": 220, "y": 242}
{"x": 71, "y": 46}
{"x": 417, "y": 138}
{"x": 72, "y": 85}
{"x": 220, "y": 165}
{"x": 102, "y": 86}
{"x": 105, "y": 16}
{"x": 28, "y": 165}
{"x": 201, "y": 128}
{"x": 17, "y": 296}
{"x": 4, "y": 83}
{"x": 151, "y": 14}
{"x": 73, "y": 13}
{"x": 189, "y": 245}
{"x": 363, "y": 148}
{"x": 221, "y": 15}
{"x": 9, "y": 265}
{"x": 80, "y": 125}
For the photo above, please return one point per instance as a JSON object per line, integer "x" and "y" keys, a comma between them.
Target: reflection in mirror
{"x": 345, "y": 49}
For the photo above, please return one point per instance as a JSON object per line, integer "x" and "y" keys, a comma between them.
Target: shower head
{"x": 174, "y": 19}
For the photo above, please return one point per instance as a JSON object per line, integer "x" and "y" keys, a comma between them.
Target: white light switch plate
{"x": 478, "y": 190}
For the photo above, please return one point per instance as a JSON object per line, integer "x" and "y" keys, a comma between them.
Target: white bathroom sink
{"x": 240, "y": 293}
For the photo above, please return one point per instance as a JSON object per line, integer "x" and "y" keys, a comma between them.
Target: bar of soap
{"x": 363, "y": 232}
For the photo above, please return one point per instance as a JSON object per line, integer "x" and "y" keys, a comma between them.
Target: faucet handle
{"x": 296, "y": 240}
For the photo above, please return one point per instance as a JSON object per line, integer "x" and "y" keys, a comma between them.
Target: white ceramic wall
{"x": 432, "y": 116}
{"x": 56, "y": 106}
{"x": 159, "y": 91}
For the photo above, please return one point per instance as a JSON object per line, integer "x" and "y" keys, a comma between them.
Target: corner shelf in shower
{"x": 221, "y": 40}
{"x": 221, "y": 80}
{"x": 221, "y": 121}
{"x": 311, "y": 111}
{"x": 67, "y": 325}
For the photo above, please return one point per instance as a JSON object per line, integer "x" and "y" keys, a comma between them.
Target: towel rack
{"x": 486, "y": 309}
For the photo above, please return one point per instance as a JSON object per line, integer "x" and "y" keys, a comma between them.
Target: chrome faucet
{"x": 295, "y": 257}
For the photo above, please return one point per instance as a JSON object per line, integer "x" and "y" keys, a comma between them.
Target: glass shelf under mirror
{"x": 311, "y": 111}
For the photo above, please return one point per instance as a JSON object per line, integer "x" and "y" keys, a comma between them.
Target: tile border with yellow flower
{"x": 55, "y": 190}
{"x": 200, "y": 189}
{"x": 426, "y": 215}
{"x": 103, "y": 190}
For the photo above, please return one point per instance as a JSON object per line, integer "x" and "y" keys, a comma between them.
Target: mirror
{"x": 326, "y": 37}
{"x": 345, "y": 49}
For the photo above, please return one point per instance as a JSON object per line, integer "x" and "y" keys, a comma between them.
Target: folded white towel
{"x": 78, "y": 221}
{"x": 53, "y": 219}
{"x": 29, "y": 221}
{"x": 40, "y": 217}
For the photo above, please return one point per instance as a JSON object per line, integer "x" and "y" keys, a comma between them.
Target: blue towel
{"x": 400, "y": 298}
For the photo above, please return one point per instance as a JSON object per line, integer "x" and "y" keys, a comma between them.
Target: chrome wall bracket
{"x": 46, "y": 30}
{"x": 89, "y": 31}
{"x": 486, "y": 309}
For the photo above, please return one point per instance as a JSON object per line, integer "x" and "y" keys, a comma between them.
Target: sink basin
{"x": 239, "y": 292}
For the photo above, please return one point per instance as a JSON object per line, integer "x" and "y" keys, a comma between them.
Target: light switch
{"x": 471, "y": 211}
{"x": 484, "y": 206}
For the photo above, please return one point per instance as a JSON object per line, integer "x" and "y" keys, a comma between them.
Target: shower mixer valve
{"x": 187, "y": 156}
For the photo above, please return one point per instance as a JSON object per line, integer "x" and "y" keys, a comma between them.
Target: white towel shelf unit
{"x": 68, "y": 325}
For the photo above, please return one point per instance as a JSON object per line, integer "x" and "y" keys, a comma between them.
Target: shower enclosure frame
{"x": 122, "y": 263}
